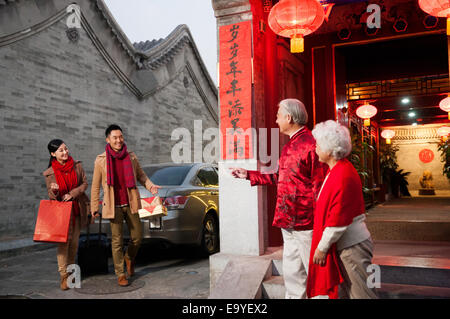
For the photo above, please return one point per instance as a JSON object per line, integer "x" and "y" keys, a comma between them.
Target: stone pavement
{"x": 170, "y": 273}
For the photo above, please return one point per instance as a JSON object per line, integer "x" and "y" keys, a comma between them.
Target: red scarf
{"x": 128, "y": 172}
{"x": 66, "y": 178}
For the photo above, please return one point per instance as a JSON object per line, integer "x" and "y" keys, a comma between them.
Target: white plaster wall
{"x": 241, "y": 218}
{"x": 408, "y": 160}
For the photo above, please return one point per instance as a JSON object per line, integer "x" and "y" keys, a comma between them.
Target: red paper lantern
{"x": 437, "y": 8}
{"x": 388, "y": 134}
{"x": 295, "y": 19}
{"x": 365, "y": 112}
{"x": 443, "y": 131}
{"x": 444, "y": 105}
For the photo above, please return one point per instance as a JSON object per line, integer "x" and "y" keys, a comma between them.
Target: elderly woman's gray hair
{"x": 296, "y": 109}
{"x": 333, "y": 138}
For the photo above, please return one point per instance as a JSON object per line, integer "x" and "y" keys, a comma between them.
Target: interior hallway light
{"x": 295, "y": 19}
{"x": 411, "y": 114}
{"x": 405, "y": 100}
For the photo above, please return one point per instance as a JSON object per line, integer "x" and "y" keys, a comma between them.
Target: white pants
{"x": 296, "y": 251}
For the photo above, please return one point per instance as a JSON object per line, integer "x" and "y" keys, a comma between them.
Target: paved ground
{"x": 171, "y": 273}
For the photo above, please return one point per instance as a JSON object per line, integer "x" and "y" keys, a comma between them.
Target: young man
{"x": 117, "y": 170}
{"x": 299, "y": 177}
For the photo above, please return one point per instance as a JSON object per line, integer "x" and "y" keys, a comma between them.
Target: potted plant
{"x": 444, "y": 148}
{"x": 361, "y": 152}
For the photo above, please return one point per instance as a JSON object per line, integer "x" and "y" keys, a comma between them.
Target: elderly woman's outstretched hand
{"x": 238, "y": 172}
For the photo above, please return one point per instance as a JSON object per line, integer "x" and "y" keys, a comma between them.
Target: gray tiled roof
{"x": 147, "y": 45}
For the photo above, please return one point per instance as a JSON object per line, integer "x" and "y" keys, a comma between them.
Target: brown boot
{"x": 122, "y": 280}
{"x": 130, "y": 266}
{"x": 64, "y": 285}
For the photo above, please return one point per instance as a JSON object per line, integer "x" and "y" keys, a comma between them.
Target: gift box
{"x": 152, "y": 207}
{"x": 53, "y": 221}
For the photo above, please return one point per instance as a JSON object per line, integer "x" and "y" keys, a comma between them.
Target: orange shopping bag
{"x": 53, "y": 221}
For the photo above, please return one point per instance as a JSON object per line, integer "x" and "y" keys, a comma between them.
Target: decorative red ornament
{"x": 444, "y": 105}
{"x": 426, "y": 155}
{"x": 365, "y": 112}
{"x": 437, "y": 8}
{"x": 295, "y": 19}
{"x": 388, "y": 134}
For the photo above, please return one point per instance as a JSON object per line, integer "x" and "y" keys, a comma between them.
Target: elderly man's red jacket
{"x": 299, "y": 178}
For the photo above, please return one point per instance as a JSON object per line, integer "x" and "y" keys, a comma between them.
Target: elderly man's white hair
{"x": 333, "y": 138}
{"x": 296, "y": 109}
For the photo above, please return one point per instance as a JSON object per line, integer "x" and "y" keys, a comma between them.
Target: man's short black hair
{"x": 112, "y": 127}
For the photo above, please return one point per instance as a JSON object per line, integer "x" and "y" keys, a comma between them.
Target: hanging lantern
{"x": 443, "y": 131}
{"x": 437, "y": 8}
{"x": 388, "y": 134}
{"x": 295, "y": 19}
{"x": 365, "y": 112}
{"x": 444, "y": 105}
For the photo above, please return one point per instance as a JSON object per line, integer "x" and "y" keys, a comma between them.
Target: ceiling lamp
{"x": 437, "y": 8}
{"x": 388, "y": 134}
{"x": 295, "y": 19}
{"x": 443, "y": 131}
{"x": 365, "y": 112}
{"x": 444, "y": 105}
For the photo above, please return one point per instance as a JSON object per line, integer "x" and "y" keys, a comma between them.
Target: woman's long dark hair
{"x": 53, "y": 146}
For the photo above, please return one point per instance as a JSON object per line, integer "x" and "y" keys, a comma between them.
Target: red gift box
{"x": 53, "y": 221}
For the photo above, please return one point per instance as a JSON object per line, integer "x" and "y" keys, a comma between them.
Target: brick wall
{"x": 53, "y": 88}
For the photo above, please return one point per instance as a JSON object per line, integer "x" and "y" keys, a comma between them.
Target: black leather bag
{"x": 93, "y": 252}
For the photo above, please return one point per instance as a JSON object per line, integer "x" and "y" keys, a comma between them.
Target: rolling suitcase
{"x": 93, "y": 252}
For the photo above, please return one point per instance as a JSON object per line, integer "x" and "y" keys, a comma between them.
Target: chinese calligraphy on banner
{"x": 235, "y": 89}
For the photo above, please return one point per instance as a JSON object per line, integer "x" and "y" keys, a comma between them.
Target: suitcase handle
{"x": 89, "y": 226}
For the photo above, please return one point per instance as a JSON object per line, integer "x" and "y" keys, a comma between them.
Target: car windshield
{"x": 167, "y": 175}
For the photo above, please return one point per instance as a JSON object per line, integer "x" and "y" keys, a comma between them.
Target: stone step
{"x": 396, "y": 274}
{"x": 416, "y": 230}
{"x": 273, "y": 288}
{"x": 398, "y": 291}
{"x": 418, "y": 271}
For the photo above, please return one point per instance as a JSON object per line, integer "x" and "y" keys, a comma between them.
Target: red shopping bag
{"x": 53, "y": 221}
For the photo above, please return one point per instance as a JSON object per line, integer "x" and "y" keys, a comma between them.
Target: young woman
{"x": 66, "y": 181}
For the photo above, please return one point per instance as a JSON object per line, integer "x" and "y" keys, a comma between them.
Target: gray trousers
{"x": 353, "y": 263}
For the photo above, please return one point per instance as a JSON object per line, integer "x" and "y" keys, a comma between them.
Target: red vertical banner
{"x": 235, "y": 90}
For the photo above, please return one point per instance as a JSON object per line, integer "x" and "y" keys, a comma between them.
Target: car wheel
{"x": 210, "y": 235}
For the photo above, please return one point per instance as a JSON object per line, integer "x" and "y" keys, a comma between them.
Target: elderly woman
{"x": 341, "y": 247}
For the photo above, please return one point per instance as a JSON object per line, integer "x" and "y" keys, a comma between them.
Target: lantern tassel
{"x": 448, "y": 26}
{"x": 366, "y": 122}
{"x": 297, "y": 44}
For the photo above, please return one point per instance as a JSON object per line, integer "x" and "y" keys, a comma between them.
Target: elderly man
{"x": 299, "y": 177}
